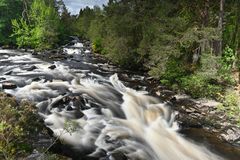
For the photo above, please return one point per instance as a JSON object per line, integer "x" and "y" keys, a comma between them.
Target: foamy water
{"x": 98, "y": 115}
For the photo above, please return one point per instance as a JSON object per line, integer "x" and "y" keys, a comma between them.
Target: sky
{"x": 74, "y": 6}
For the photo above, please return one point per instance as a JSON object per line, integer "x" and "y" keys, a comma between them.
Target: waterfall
{"x": 97, "y": 115}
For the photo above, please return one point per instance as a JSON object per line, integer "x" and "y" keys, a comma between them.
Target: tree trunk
{"x": 235, "y": 38}
{"x": 206, "y": 13}
{"x": 220, "y": 26}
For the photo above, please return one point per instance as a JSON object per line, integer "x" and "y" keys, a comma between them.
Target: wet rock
{"x": 31, "y": 68}
{"x": 69, "y": 108}
{"x": 52, "y": 67}
{"x": 8, "y": 73}
{"x": 2, "y": 79}
{"x": 78, "y": 114}
{"x": 173, "y": 99}
{"x": 9, "y": 85}
{"x": 34, "y": 53}
{"x": 36, "y": 79}
{"x": 118, "y": 156}
{"x": 149, "y": 78}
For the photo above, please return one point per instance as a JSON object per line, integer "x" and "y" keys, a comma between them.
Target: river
{"x": 101, "y": 111}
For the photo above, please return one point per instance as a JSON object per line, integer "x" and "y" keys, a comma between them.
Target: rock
{"x": 35, "y": 155}
{"x": 2, "y": 79}
{"x": 149, "y": 78}
{"x": 78, "y": 114}
{"x": 54, "y": 51}
{"x": 158, "y": 93}
{"x": 52, "y": 67}
{"x": 232, "y": 135}
{"x": 118, "y": 156}
{"x": 173, "y": 99}
{"x": 34, "y": 53}
{"x": 6, "y": 47}
{"x": 31, "y": 68}
{"x": 9, "y": 85}
{"x": 36, "y": 79}
{"x": 190, "y": 110}
{"x": 69, "y": 108}
{"x": 8, "y": 73}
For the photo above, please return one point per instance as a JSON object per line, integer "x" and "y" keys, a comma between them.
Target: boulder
{"x": 52, "y": 67}
{"x": 9, "y": 85}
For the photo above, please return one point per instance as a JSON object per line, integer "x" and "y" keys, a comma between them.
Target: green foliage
{"x": 97, "y": 45}
{"x": 173, "y": 72}
{"x": 70, "y": 126}
{"x": 18, "y": 123}
{"x": 9, "y": 9}
{"x": 22, "y": 32}
{"x": 228, "y": 58}
{"x": 40, "y": 30}
{"x": 227, "y": 61}
{"x": 199, "y": 86}
{"x": 231, "y": 105}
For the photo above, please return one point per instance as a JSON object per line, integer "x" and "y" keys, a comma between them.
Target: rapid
{"x": 84, "y": 102}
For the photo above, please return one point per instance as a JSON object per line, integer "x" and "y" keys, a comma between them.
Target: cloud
{"x": 74, "y": 6}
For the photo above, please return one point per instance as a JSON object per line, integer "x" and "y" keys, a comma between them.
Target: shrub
{"x": 174, "y": 71}
{"x": 18, "y": 123}
{"x": 97, "y": 45}
{"x": 231, "y": 105}
{"x": 227, "y": 61}
{"x": 199, "y": 86}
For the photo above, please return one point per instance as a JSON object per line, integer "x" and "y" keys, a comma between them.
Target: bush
{"x": 18, "y": 123}
{"x": 97, "y": 45}
{"x": 199, "y": 86}
{"x": 174, "y": 71}
{"x": 227, "y": 61}
{"x": 231, "y": 105}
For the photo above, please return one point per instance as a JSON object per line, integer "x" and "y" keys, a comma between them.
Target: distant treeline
{"x": 190, "y": 45}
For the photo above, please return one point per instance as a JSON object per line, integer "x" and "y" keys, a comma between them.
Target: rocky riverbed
{"x": 199, "y": 120}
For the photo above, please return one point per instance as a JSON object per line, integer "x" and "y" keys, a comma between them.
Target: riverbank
{"x": 205, "y": 113}
{"x": 193, "y": 113}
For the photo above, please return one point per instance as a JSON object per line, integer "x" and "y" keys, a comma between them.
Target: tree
{"x": 42, "y": 30}
{"x": 9, "y": 9}
{"x": 220, "y": 25}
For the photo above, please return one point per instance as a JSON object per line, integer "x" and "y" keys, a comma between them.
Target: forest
{"x": 191, "y": 47}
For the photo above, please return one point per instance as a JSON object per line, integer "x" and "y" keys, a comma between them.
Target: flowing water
{"x": 83, "y": 102}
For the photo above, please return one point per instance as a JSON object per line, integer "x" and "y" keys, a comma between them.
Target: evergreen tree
{"x": 9, "y": 9}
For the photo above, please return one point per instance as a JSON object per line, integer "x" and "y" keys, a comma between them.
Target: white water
{"x": 106, "y": 116}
